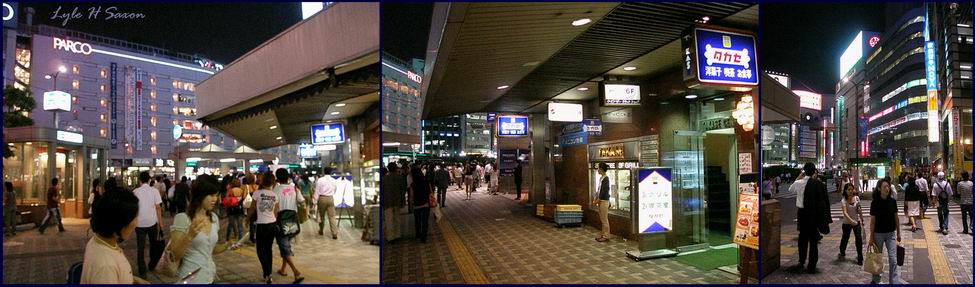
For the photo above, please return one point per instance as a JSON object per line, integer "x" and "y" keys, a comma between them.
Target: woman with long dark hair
{"x": 852, "y": 221}
{"x": 421, "y": 203}
{"x": 912, "y": 199}
{"x": 195, "y": 234}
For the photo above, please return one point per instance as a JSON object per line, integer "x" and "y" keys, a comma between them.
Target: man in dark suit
{"x": 518, "y": 180}
{"x": 813, "y": 215}
{"x": 441, "y": 179}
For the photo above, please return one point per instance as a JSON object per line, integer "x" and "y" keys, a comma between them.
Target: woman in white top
{"x": 112, "y": 222}
{"x": 196, "y": 232}
{"x": 265, "y": 206}
{"x": 852, "y": 221}
{"x": 288, "y": 200}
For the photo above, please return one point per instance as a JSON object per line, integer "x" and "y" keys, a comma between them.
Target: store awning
{"x": 534, "y": 49}
{"x": 273, "y": 94}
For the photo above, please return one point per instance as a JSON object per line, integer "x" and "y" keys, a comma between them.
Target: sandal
{"x": 298, "y": 280}
{"x": 282, "y": 273}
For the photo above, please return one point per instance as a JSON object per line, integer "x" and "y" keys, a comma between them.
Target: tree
{"x": 17, "y": 104}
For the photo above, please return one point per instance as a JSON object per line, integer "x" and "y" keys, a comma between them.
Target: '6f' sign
{"x": 72, "y": 46}
{"x": 8, "y": 12}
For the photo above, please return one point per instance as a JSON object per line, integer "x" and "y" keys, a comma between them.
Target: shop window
{"x": 75, "y": 84}
{"x": 26, "y": 169}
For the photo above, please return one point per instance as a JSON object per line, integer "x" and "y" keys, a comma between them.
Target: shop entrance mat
{"x": 711, "y": 259}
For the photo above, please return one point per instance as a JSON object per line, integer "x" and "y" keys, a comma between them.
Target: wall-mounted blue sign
{"x": 593, "y": 126}
{"x": 721, "y": 57}
{"x": 330, "y": 133}
{"x": 492, "y": 116}
{"x": 930, "y": 65}
{"x": 574, "y": 139}
{"x": 512, "y": 126}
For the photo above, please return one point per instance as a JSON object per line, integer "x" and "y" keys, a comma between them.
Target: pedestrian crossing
{"x": 836, "y": 212}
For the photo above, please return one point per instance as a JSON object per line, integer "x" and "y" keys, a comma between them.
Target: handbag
{"x": 900, "y": 255}
{"x": 873, "y": 262}
{"x": 167, "y": 265}
{"x": 302, "y": 211}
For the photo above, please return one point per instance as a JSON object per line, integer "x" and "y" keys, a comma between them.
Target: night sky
{"x": 806, "y": 40}
{"x": 405, "y": 29}
{"x": 218, "y": 31}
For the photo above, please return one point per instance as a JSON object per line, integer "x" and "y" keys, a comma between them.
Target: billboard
{"x": 512, "y": 126}
{"x": 57, "y": 101}
{"x": 721, "y": 57}
{"x": 327, "y": 133}
{"x": 810, "y": 100}
{"x": 862, "y": 44}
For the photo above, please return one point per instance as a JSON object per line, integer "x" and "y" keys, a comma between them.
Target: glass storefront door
{"x": 690, "y": 218}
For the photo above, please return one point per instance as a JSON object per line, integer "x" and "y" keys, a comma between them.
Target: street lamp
{"x": 61, "y": 69}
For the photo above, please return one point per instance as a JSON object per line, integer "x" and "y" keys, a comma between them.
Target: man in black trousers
{"x": 813, "y": 215}
{"x": 518, "y": 180}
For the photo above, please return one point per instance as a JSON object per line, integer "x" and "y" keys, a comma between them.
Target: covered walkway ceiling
{"x": 535, "y": 50}
{"x": 324, "y": 68}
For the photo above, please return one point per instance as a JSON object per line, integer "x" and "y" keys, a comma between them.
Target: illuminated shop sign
{"x": 593, "y": 126}
{"x": 307, "y": 151}
{"x": 563, "y": 112}
{"x": 721, "y": 57}
{"x": 512, "y": 126}
{"x": 72, "y": 46}
{"x": 613, "y": 151}
{"x": 655, "y": 210}
{"x": 414, "y": 77}
{"x": 329, "y": 133}
{"x": 57, "y": 100}
{"x": 621, "y": 95}
{"x": 10, "y": 15}
{"x": 810, "y": 100}
{"x": 70, "y": 137}
{"x": 931, "y": 71}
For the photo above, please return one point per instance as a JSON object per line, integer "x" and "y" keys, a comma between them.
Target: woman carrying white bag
{"x": 194, "y": 237}
{"x": 883, "y": 232}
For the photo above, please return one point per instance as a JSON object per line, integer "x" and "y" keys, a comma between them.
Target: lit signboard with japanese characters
{"x": 621, "y": 95}
{"x": 931, "y": 70}
{"x": 512, "y": 126}
{"x": 329, "y": 133}
{"x": 655, "y": 211}
{"x": 809, "y": 100}
{"x": 721, "y": 57}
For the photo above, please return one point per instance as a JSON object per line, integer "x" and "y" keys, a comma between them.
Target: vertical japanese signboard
{"x": 655, "y": 198}
{"x": 113, "y": 98}
{"x": 721, "y": 57}
{"x": 931, "y": 70}
{"x": 747, "y": 220}
{"x": 138, "y": 110}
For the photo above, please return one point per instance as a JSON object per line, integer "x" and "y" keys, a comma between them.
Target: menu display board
{"x": 747, "y": 220}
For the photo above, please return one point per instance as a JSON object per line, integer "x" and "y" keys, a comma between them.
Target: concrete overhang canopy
{"x": 466, "y": 74}
{"x": 779, "y": 104}
{"x": 274, "y": 93}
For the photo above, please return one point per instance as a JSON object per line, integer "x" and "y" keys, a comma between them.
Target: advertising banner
{"x": 655, "y": 210}
{"x": 725, "y": 57}
{"x": 747, "y": 220}
{"x": 57, "y": 101}
{"x": 512, "y": 126}
{"x": 138, "y": 110}
{"x": 113, "y": 100}
{"x": 328, "y": 133}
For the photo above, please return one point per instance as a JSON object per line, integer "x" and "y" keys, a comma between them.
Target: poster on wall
{"x": 747, "y": 220}
{"x": 745, "y": 163}
{"x": 655, "y": 199}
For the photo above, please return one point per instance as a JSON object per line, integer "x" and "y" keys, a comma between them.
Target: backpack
{"x": 944, "y": 192}
{"x": 230, "y": 201}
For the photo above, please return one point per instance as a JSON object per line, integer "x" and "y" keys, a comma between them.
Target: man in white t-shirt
{"x": 325, "y": 196}
{"x": 149, "y": 223}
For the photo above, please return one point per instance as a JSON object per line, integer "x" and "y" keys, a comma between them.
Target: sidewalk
{"x": 492, "y": 240}
{"x": 31, "y": 257}
{"x": 931, "y": 258}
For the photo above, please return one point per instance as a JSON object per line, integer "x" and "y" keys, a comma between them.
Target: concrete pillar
{"x": 539, "y": 159}
{"x": 354, "y": 132}
{"x": 52, "y": 158}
